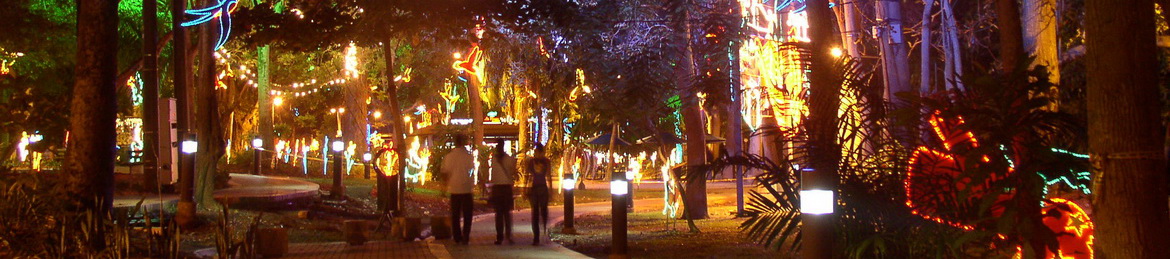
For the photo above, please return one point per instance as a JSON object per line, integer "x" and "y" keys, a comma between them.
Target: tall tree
{"x": 210, "y": 130}
{"x": 150, "y": 93}
{"x": 89, "y": 165}
{"x": 1125, "y": 130}
{"x": 181, "y": 66}
{"x": 1011, "y": 37}
{"x": 824, "y": 152}
{"x": 1039, "y": 18}
{"x": 695, "y": 129}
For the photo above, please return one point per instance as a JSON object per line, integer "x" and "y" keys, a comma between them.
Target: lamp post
{"x": 816, "y": 215}
{"x": 630, "y": 193}
{"x": 619, "y": 188}
{"x": 186, "y": 206}
{"x": 338, "y": 112}
{"x": 568, "y": 183}
{"x": 257, "y": 144}
{"x": 366, "y": 162}
{"x": 338, "y": 190}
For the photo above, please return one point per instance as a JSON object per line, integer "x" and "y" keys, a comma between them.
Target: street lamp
{"x": 619, "y": 187}
{"x": 366, "y": 161}
{"x": 338, "y": 112}
{"x": 568, "y": 183}
{"x": 257, "y": 144}
{"x": 338, "y": 190}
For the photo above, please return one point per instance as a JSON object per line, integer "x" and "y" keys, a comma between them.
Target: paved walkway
{"x": 241, "y": 188}
{"x": 484, "y": 235}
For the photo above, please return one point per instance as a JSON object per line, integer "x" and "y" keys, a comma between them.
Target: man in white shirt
{"x": 502, "y": 176}
{"x": 459, "y": 165}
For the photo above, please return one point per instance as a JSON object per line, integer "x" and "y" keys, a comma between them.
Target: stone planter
{"x": 412, "y": 229}
{"x": 355, "y": 232}
{"x": 406, "y": 228}
{"x": 441, "y": 227}
{"x": 272, "y": 242}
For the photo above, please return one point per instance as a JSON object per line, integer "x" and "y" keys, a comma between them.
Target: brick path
{"x": 378, "y": 249}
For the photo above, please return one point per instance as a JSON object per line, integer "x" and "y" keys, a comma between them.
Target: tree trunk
{"x": 954, "y": 60}
{"x": 1041, "y": 42}
{"x": 181, "y": 67}
{"x": 735, "y": 117}
{"x": 924, "y": 47}
{"x": 696, "y": 198}
{"x": 475, "y": 106}
{"x": 824, "y": 152}
{"x": 1011, "y": 37}
{"x": 355, "y": 92}
{"x": 894, "y": 51}
{"x": 1125, "y": 130}
{"x": 264, "y": 109}
{"x": 851, "y": 34}
{"x": 211, "y": 143}
{"x": 89, "y": 164}
{"x": 150, "y": 122}
{"x": 1040, "y": 35}
{"x": 399, "y": 124}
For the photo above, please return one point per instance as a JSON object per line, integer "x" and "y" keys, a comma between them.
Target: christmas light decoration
{"x": 934, "y": 178}
{"x": 222, "y": 10}
{"x": 473, "y": 64}
{"x": 351, "y": 62}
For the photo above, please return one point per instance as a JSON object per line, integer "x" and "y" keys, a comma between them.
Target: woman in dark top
{"x": 538, "y": 190}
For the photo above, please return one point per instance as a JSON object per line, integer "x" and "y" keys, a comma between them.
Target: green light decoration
{"x": 221, "y": 10}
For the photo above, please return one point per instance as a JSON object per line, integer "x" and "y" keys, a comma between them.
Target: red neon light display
{"x": 934, "y": 179}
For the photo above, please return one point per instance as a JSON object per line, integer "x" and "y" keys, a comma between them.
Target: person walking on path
{"x": 538, "y": 191}
{"x": 458, "y": 165}
{"x": 502, "y": 177}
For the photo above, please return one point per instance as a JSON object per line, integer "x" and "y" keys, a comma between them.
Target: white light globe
{"x": 816, "y": 202}
{"x": 338, "y": 146}
{"x": 568, "y": 183}
{"x": 619, "y": 187}
{"x": 190, "y": 146}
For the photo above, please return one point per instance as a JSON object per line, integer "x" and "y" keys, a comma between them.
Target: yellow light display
{"x": 351, "y": 62}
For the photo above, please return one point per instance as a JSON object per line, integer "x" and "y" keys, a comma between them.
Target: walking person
{"x": 538, "y": 191}
{"x": 502, "y": 176}
{"x": 458, "y": 165}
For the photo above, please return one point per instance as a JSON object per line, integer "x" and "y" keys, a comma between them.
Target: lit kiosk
{"x": 257, "y": 145}
{"x": 619, "y": 187}
{"x": 816, "y": 214}
{"x": 338, "y": 191}
{"x": 568, "y": 183}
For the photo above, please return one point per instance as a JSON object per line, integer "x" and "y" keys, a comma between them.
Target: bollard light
{"x": 619, "y": 187}
{"x": 190, "y": 146}
{"x": 338, "y": 146}
{"x": 568, "y": 184}
{"x": 816, "y": 202}
{"x": 257, "y": 143}
{"x": 367, "y": 157}
{"x": 619, "y": 226}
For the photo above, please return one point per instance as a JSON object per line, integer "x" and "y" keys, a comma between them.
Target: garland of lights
{"x": 935, "y": 176}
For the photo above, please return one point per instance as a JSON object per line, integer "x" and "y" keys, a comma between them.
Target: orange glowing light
{"x": 931, "y": 173}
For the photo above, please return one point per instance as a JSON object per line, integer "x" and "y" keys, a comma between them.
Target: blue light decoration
{"x": 223, "y": 11}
